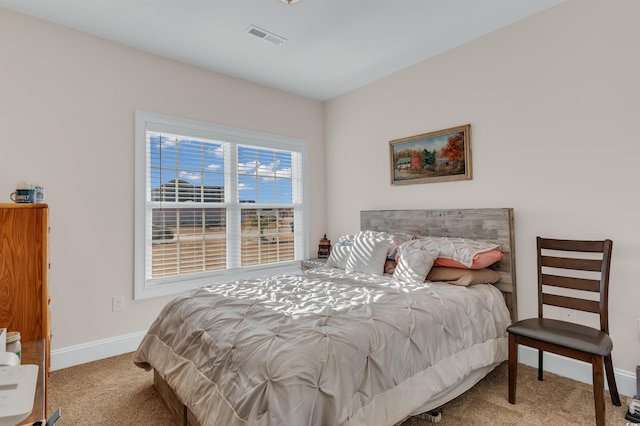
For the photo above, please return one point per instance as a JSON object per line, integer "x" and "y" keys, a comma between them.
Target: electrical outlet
{"x": 117, "y": 303}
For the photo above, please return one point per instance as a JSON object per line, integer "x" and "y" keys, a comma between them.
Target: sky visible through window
{"x": 264, "y": 175}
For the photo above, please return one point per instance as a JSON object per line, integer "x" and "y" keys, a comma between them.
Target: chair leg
{"x": 513, "y": 367}
{"x": 611, "y": 380}
{"x": 540, "y": 352}
{"x": 598, "y": 388}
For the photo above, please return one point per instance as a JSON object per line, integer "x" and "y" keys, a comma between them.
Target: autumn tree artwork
{"x": 439, "y": 156}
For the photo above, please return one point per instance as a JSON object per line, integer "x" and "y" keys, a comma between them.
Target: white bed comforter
{"x": 323, "y": 348}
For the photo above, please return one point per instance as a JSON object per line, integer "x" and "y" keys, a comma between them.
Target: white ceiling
{"x": 332, "y": 47}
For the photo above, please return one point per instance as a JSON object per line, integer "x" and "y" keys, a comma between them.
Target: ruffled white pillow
{"x": 462, "y": 250}
{"x": 368, "y": 253}
{"x": 416, "y": 260}
{"x": 367, "y": 258}
{"x": 340, "y": 253}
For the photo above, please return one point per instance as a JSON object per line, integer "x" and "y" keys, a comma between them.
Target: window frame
{"x": 147, "y": 121}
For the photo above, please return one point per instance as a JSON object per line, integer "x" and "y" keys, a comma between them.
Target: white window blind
{"x": 186, "y": 198}
{"x": 267, "y": 178}
{"x": 213, "y": 201}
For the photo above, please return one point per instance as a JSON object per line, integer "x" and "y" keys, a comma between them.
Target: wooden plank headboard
{"x": 495, "y": 225}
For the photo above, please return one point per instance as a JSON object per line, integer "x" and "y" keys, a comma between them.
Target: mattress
{"x": 326, "y": 347}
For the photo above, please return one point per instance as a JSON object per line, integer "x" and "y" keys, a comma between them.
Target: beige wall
{"x": 67, "y": 103}
{"x": 553, "y": 102}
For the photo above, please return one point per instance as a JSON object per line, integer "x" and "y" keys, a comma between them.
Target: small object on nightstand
{"x": 13, "y": 343}
{"x": 9, "y": 359}
{"x": 324, "y": 248}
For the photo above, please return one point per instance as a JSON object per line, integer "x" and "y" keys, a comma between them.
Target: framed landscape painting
{"x": 439, "y": 156}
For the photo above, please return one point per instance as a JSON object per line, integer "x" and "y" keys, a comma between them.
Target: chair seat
{"x": 568, "y": 334}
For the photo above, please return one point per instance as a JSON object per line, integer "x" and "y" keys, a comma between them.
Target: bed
{"x": 336, "y": 347}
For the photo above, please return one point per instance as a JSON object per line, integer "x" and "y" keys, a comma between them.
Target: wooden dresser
{"x": 24, "y": 267}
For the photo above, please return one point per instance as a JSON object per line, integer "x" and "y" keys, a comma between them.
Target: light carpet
{"x": 114, "y": 391}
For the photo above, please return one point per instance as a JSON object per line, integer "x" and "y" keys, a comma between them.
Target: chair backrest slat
{"x": 570, "y": 263}
{"x": 571, "y": 282}
{"x": 579, "y": 270}
{"x": 574, "y": 245}
{"x": 571, "y": 303}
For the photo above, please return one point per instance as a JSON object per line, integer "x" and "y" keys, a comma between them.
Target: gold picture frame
{"x": 441, "y": 156}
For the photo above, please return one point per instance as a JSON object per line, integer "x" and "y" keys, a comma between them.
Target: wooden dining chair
{"x": 570, "y": 272}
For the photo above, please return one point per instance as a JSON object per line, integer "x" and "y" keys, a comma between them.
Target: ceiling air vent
{"x": 265, "y": 35}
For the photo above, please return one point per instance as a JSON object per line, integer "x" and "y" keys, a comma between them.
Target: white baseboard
{"x": 576, "y": 370}
{"x": 100, "y": 349}
{"x": 93, "y": 351}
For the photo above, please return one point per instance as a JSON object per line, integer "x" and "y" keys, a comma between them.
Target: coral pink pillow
{"x": 480, "y": 260}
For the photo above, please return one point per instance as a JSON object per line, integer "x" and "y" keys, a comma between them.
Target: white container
{"x": 40, "y": 194}
{"x": 13, "y": 343}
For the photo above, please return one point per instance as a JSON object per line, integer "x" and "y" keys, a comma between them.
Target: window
{"x": 214, "y": 203}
